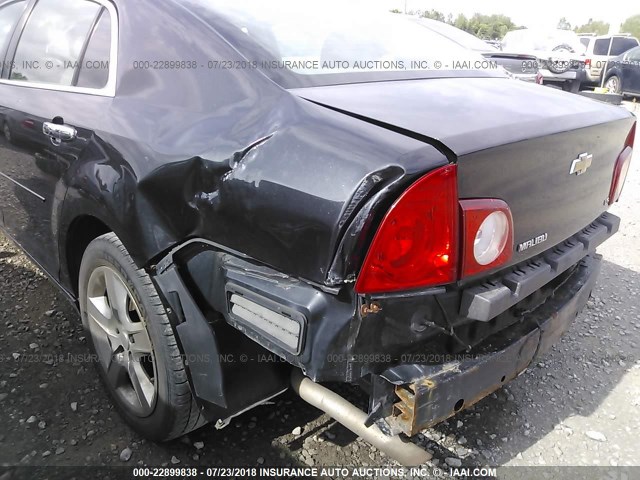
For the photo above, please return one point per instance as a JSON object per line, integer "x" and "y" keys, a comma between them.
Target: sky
{"x": 529, "y": 13}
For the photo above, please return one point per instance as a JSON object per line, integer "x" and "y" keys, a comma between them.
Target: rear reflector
{"x": 282, "y": 329}
{"x": 416, "y": 244}
{"x": 622, "y": 167}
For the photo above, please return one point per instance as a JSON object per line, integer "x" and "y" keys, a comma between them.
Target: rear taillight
{"x": 416, "y": 244}
{"x": 622, "y": 167}
{"x": 487, "y": 235}
{"x": 587, "y": 63}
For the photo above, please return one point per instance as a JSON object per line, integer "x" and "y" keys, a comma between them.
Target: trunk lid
{"x": 513, "y": 140}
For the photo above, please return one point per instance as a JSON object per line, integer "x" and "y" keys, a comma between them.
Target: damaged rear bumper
{"x": 234, "y": 319}
{"x": 410, "y": 397}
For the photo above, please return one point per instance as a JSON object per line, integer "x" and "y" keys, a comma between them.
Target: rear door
{"x": 55, "y": 83}
{"x": 600, "y": 56}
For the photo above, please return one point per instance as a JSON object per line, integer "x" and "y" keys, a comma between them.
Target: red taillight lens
{"x": 587, "y": 63}
{"x": 622, "y": 168}
{"x": 487, "y": 235}
{"x": 416, "y": 244}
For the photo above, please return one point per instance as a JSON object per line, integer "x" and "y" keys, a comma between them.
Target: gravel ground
{"x": 579, "y": 406}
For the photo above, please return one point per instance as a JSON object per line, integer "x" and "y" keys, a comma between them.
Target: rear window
{"x": 601, "y": 47}
{"x": 94, "y": 68}
{"x": 286, "y": 36}
{"x": 622, "y": 44}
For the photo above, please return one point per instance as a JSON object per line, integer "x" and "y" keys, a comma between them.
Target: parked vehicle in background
{"x": 622, "y": 74}
{"x": 584, "y": 38}
{"x": 519, "y": 65}
{"x": 559, "y": 53}
{"x": 600, "y": 49}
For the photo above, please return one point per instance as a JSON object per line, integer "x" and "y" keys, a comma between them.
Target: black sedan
{"x": 243, "y": 196}
{"x": 622, "y": 73}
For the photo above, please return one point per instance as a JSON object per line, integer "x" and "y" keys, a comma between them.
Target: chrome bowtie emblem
{"x": 581, "y": 164}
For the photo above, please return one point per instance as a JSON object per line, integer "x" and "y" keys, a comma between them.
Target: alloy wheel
{"x": 613, "y": 84}
{"x": 122, "y": 343}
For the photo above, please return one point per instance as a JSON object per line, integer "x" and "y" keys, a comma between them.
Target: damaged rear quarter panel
{"x": 229, "y": 156}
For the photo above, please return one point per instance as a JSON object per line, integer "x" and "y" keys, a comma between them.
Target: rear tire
{"x": 138, "y": 358}
{"x": 6, "y": 131}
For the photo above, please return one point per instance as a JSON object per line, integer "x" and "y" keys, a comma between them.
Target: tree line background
{"x": 494, "y": 27}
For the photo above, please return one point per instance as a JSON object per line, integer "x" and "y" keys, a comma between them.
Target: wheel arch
{"x": 611, "y": 73}
{"x": 101, "y": 197}
{"x": 82, "y": 230}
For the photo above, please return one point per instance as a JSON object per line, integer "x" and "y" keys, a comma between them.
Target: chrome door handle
{"x": 61, "y": 133}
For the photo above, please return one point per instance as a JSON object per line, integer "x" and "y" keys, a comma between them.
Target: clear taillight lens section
{"x": 622, "y": 168}
{"x": 416, "y": 244}
{"x": 487, "y": 238}
{"x": 491, "y": 238}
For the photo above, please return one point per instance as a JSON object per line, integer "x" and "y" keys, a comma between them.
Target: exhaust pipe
{"x": 406, "y": 453}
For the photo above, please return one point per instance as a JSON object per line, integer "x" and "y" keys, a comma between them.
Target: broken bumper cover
{"x": 422, "y": 395}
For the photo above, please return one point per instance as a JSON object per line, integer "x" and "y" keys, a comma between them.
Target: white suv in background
{"x": 602, "y": 48}
{"x": 559, "y": 52}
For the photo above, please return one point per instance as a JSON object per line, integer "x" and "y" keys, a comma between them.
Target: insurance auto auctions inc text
{"x": 376, "y": 472}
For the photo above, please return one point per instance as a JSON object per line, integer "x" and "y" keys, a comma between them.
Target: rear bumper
{"x": 426, "y": 394}
{"x": 549, "y": 77}
{"x": 485, "y": 302}
{"x": 236, "y": 319}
